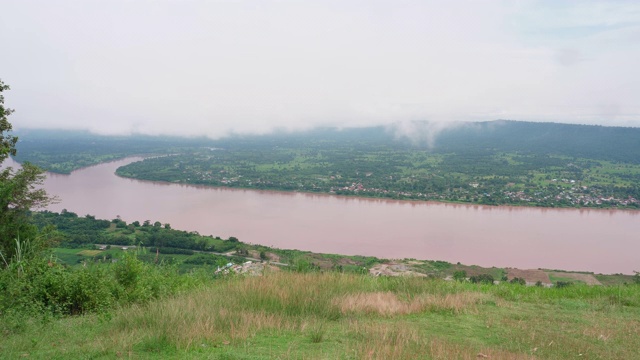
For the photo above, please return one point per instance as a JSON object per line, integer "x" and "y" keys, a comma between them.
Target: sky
{"x": 214, "y": 68}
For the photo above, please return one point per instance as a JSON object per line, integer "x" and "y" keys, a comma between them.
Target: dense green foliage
{"x": 161, "y": 243}
{"x": 19, "y": 191}
{"x": 7, "y": 141}
{"x": 38, "y": 286}
{"x": 77, "y": 231}
{"x": 488, "y": 163}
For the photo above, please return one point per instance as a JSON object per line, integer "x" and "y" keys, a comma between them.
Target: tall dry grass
{"x": 237, "y": 309}
{"x": 317, "y": 305}
{"x": 390, "y": 304}
{"x": 334, "y": 315}
{"x": 398, "y": 340}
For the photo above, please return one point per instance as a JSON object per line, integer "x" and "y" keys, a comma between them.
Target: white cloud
{"x": 202, "y": 67}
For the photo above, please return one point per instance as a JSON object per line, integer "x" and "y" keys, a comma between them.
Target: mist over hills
{"x": 590, "y": 141}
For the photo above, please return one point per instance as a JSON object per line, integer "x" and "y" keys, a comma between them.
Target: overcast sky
{"x": 214, "y": 67}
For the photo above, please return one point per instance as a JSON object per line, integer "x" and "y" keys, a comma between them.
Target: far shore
{"x": 140, "y": 157}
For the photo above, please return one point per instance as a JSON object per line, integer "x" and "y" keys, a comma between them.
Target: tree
{"x": 7, "y": 141}
{"x": 460, "y": 275}
{"x": 20, "y": 190}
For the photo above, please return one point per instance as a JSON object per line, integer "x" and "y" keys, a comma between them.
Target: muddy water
{"x": 606, "y": 241}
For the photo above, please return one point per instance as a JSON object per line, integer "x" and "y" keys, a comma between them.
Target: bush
{"x": 460, "y": 275}
{"x": 47, "y": 287}
{"x": 561, "y": 284}
{"x": 303, "y": 265}
{"x": 517, "y": 280}
{"x": 482, "y": 279}
{"x": 38, "y": 286}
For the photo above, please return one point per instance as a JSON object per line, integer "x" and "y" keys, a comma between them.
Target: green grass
{"x": 615, "y": 279}
{"x": 286, "y": 315}
{"x": 555, "y": 279}
{"x": 68, "y": 256}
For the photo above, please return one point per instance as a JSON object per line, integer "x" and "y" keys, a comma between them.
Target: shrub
{"x": 303, "y": 265}
{"x": 460, "y": 275}
{"x": 561, "y": 284}
{"x": 482, "y": 279}
{"x": 46, "y": 287}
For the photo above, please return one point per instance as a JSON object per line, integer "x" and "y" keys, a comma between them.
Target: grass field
{"x": 286, "y": 315}
{"x": 89, "y": 252}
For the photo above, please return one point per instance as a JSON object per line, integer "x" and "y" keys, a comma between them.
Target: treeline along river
{"x": 602, "y": 241}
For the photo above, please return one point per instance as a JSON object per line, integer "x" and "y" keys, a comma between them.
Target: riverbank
{"x": 129, "y": 301}
{"x": 122, "y": 161}
{"x": 156, "y": 243}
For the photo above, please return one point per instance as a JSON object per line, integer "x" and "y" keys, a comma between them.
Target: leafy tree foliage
{"x": 7, "y": 141}
{"x": 19, "y": 191}
{"x": 460, "y": 275}
{"x": 482, "y": 279}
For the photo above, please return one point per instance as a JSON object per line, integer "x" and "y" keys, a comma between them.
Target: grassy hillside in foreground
{"x": 286, "y": 315}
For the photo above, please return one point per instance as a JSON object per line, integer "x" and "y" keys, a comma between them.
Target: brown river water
{"x": 602, "y": 241}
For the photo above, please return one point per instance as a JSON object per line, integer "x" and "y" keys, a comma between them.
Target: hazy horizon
{"x": 201, "y": 68}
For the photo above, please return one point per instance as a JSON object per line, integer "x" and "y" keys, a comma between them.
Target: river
{"x": 602, "y": 241}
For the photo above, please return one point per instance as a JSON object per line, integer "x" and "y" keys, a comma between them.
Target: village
{"x": 549, "y": 196}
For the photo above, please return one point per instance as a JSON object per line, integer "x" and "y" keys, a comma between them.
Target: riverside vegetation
{"x": 493, "y": 163}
